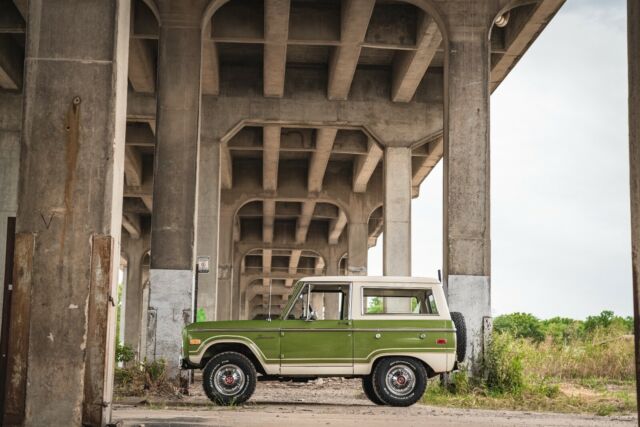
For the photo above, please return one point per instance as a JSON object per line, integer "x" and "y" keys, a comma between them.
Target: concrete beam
{"x": 325, "y": 138}
{"x": 294, "y": 260}
{"x": 410, "y": 66}
{"x": 271, "y": 142}
{"x": 521, "y": 33}
{"x": 140, "y": 134}
{"x": 304, "y": 220}
{"x": 276, "y": 33}
{"x": 148, "y": 202}
{"x": 266, "y": 265}
{"x": 142, "y": 67}
{"x": 131, "y": 223}
{"x": 422, "y": 166}
{"x": 11, "y": 63}
{"x": 132, "y": 166}
{"x": 375, "y": 233}
{"x": 337, "y": 227}
{"x": 364, "y": 166}
{"x": 354, "y": 19}
{"x": 23, "y": 7}
{"x": 11, "y": 20}
{"x": 268, "y": 217}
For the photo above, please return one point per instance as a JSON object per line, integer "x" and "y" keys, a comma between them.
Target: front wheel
{"x": 367, "y": 386}
{"x": 229, "y": 378}
{"x": 399, "y": 381}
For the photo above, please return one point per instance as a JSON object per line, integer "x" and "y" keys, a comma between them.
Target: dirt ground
{"x": 331, "y": 403}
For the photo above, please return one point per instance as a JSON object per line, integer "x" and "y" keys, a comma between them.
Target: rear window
{"x": 398, "y": 301}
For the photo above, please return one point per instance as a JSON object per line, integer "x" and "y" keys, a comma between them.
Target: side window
{"x": 398, "y": 301}
{"x": 329, "y": 302}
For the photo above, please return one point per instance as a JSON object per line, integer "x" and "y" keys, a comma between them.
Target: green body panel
{"x": 373, "y": 337}
{"x": 318, "y": 341}
{"x": 262, "y": 334}
{"x": 324, "y": 341}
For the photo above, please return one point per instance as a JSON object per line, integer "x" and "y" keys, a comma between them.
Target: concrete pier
{"x": 69, "y": 214}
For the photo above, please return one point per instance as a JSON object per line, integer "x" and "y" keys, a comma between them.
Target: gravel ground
{"x": 333, "y": 402}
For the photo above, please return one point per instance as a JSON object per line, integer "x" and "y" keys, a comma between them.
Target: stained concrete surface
{"x": 335, "y": 403}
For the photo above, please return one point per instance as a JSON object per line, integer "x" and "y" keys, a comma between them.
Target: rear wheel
{"x": 229, "y": 378}
{"x": 399, "y": 381}
{"x": 461, "y": 335}
{"x": 367, "y": 386}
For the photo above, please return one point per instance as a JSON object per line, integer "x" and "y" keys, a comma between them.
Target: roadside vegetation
{"x": 559, "y": 364}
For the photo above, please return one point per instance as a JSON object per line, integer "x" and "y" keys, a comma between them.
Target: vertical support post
{"x": 134, "y": 250}
{"x": 77, "y": 51}
{"x": 175, "y": 182}
{"x": 633, "y": 28}
{"x": 358, "y": 230}
{"x": 397, "y": 211}
{"x": 467, "y": 249}
{"x": 208, "y": 222}
{"x": 224, "y": 299}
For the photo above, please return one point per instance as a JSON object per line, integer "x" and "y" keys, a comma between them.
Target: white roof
{"x": 372, "y": 279}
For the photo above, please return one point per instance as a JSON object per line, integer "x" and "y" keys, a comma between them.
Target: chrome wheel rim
{"x": 229, "y": 379}
{"x": 400, "y": 380}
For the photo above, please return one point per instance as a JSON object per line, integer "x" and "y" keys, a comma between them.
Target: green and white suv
{"x": 393, "y": 332}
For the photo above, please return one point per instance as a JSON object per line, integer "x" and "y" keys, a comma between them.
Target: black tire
{"x": 461, "y": 335}
{"x": 414, "y": 378}
{"x": 220, "y": 373}
{"x": 367, "y": 386}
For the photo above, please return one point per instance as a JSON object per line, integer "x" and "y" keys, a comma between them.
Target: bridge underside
{"x": 220, "y": 150}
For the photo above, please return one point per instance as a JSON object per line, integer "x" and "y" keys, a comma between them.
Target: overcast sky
{"x": 559, "y": 165}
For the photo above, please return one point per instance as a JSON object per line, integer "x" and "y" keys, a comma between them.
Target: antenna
{"x": 269, "y": 309}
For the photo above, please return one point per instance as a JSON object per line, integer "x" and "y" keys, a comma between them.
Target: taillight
{"x": 441, "y": 341}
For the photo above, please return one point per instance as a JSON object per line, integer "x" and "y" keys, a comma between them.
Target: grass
{"x": 592, "y": 372}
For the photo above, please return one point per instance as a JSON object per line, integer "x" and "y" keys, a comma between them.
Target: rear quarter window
{"x": 407, "y": 301}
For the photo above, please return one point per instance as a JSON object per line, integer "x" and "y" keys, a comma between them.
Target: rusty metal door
{"x": 6, "y": 307}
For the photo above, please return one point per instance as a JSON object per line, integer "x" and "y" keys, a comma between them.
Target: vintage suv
{"x": 393, "y": 332}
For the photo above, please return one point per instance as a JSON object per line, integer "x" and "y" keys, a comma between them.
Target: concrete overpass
{"x": 264, "y": 140}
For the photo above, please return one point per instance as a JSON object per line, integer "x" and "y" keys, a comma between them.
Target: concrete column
{"x": 397, "y": 212}
{"x": 633, "y": 27}
{"x": 208, "y": 220}
{"x": 10, "y": 125}
{"x": 358, "y": 239}
{"x": 224, "y": 298}
{"x": 467, "y": 248}
{"x": 134, "y": 250}
{"x": 69, "y": 213}
{"x": 174, "y": 187}
{"x": 331, "y": 301}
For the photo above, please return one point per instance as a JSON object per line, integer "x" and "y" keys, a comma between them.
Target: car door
{"x": 318, "y": 340}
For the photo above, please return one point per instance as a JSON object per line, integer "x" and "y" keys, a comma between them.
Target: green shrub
{"x": 124, "y": 353}
{"x": 144, "y": 378}
{"x": 519, "y": 325}
{"x": 503, "y": 365}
